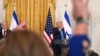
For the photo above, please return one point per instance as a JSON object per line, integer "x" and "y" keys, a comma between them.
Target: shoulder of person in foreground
{"x": 92, "y": 53}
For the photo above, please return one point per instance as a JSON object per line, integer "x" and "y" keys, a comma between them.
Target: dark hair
{"x": 81, "y": 20}
{"x": 24, "y": 43}
{"x": 93, "y": 54}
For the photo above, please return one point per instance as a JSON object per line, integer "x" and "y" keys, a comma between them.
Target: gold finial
{"x": 65, "y": 5}
{"x": 14, "y": 5}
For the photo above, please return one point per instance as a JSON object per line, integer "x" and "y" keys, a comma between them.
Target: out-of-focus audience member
{"x": 24, "y": 43}
{"x": 79, "y": 43}
{"x": 4, "y": 31}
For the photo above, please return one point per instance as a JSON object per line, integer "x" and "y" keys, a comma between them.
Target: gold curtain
{"x": 33, "y": 10}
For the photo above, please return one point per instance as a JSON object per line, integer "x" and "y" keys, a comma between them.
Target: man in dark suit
{"x": 59, "y": 34}
{"x": 4, "y": 31}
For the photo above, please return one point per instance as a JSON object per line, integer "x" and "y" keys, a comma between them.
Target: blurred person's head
{"x": 4, "y": 25}
{"x": 24, "y": 43}
{"x": 59, "y": 24}
{"x": 79, "y": 2}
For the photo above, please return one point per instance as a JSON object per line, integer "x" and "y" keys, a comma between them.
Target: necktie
{"x": 62, "y": 35}
{"x": 4, "y": 34}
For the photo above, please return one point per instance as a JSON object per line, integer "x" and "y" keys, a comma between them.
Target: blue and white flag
{"x": 14, "y": 21}
{"x": 67, "y": 26}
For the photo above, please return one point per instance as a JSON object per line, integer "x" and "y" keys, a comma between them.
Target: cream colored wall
{"x": 1, "y": 11}
{"x": 96, "y": 25}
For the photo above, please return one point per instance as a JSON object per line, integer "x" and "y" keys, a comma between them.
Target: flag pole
{"x": 14, "y": 19}
{"x": 65, "y": 6}
{"x": 49, "y": 7}
{"x": 14, "y": 5}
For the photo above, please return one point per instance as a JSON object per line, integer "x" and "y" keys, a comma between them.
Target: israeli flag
{"x": 67, "y": 26}
{"x": 14, "y": 21}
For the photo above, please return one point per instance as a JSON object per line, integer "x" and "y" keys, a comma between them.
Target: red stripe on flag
{"x": 47, "y": 37}
{"x": 51, "y": 36}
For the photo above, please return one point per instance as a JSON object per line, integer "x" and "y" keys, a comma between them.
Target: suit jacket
{"x": 56, "y": 34}
{"x": 1, "y": 36}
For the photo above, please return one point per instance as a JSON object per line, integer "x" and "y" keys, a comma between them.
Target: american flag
{"x": 48, "y": 32}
